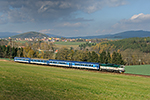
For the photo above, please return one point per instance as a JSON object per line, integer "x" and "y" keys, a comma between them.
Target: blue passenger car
{"x": 59, "y": 63}
{"x": 39, "y": 61}
{"x": 22, "y": 59}
{"x": 88, "y": 65}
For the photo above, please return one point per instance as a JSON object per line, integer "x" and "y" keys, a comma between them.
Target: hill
{"x": 121, "y": 35}
{"x": 52, "y": 35}
{"x": 30, "y": 35}
{"x": 142, "y": 44}
{"x": 130, "y": 34}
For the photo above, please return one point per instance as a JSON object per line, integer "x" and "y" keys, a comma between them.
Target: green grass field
{"x": 75, "y": 45}
{"x": 138, "y": 69}
{"x": 37, "y": 82}
{"x": 69, "y": 43}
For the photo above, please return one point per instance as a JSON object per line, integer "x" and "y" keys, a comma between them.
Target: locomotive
{"x": 74, "y": 64}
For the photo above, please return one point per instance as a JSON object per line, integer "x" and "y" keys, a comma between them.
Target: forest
{"x": 62, "y": 54}
{"x": 134, "y": 51}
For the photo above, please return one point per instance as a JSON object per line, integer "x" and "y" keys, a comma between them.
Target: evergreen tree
{"x": 114, "y": 58}
{"x": 89, "y": 59}
{"x": 103, "y": 57}
{"x": 94, "y": 57}
{"x": 1, "y": 53}
{"x": 108, "y": 57}
{"x": 117, "y": 59}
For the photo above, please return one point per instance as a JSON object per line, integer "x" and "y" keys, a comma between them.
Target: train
{"x": 74, "y": 64}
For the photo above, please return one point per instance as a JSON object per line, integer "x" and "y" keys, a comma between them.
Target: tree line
{"x": 87, "y": 44}
{"x": 134, "y": 51}
{"x": 62, "y": 54}
{"x": 10, "y": 52}
{"x": 142, "y": 44}
{"x": 89, "y": 56}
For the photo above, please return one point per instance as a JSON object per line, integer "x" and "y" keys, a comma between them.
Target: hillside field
{"x": 27, "y": 81}
{"x": 68, "y": 45}
{"x": 138, "y": 69}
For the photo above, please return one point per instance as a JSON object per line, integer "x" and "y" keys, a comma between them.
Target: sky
{"x": 74, "y": 17}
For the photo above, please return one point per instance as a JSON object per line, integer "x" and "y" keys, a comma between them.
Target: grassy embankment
{"x": 138, "y": 69}
{"x": 26, "y": 81}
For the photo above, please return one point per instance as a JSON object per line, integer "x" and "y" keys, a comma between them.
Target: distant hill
{"x": 52, "y": 35}
{"x": 30, "y": 35}
{"x": 130, "y": 34}
{"x": 7, "y": 34}
{"x": 121, "y": 35}
{"x": 126, "y": 34}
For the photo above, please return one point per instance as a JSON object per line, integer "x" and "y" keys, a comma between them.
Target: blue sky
{"x": 74, "y": 17}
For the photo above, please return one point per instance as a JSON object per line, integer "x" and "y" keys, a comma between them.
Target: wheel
{"x": 120, "y": 71}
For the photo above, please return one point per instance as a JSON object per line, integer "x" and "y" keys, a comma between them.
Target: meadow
{"x": 38, "y": 82}
{"x": 138, "y": 69}
{"x": 68, "y": 43}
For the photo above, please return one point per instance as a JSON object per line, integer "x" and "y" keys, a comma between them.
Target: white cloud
{"x": 136, "y": 22}
{"x": 140, "y": 18}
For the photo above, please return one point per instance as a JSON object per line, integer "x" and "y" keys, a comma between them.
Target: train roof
{"x": 74, "y": 61}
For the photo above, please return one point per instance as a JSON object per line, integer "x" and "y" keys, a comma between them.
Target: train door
{"x": 70, "y": 64}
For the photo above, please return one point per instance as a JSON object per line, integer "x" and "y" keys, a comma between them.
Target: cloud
{"x": 71, "y": 25}
{"x": 46, "y": 31}
{"x": 139, "y": 21}
{"x": 140, "y": 18}
{"x": 81, "y": 20}
{"x": 3, "y": 19}
{"x": 51, "y": 10}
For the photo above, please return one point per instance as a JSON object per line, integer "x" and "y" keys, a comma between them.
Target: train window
{"x": 62, "y": 63}
{"x": 76, "y": 64}
{"x": 122, "y": 66}
{"x": 45, "y": 61}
